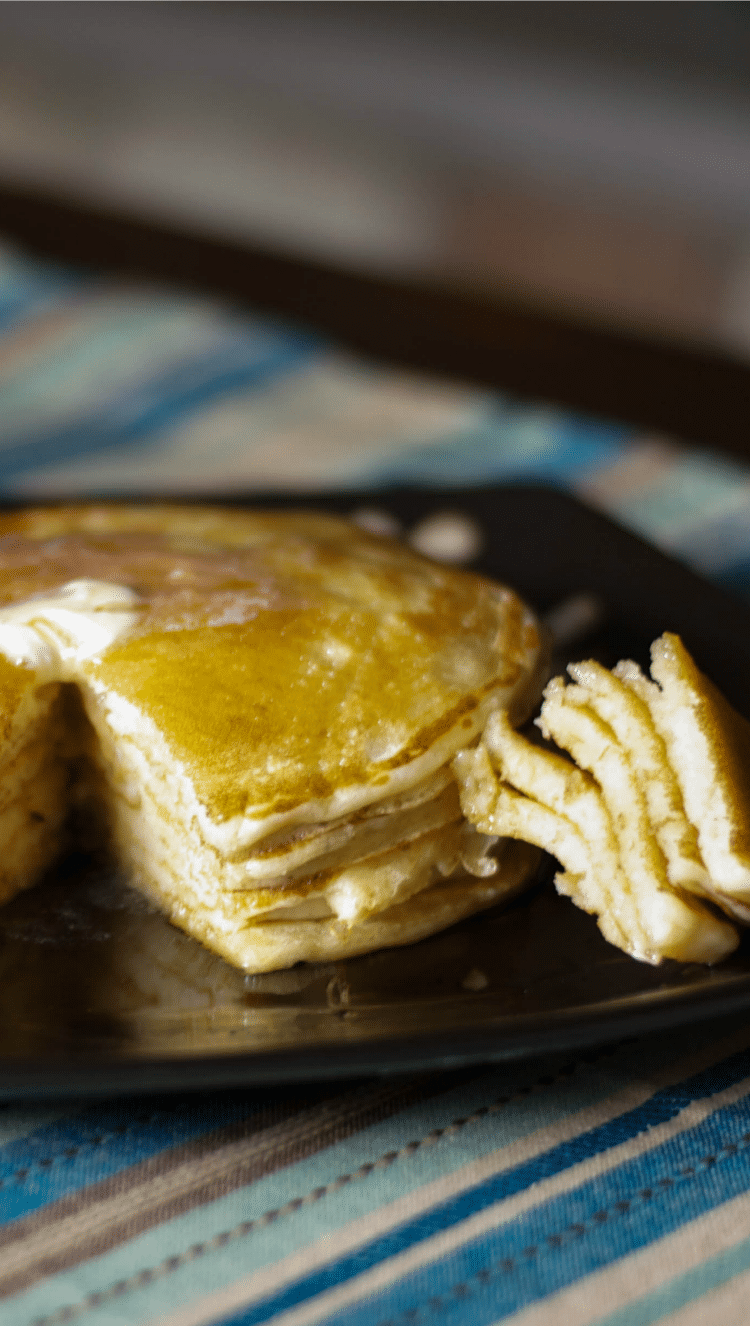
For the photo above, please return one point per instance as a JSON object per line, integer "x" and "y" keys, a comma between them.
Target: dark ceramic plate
{"x": 97, "y": 993}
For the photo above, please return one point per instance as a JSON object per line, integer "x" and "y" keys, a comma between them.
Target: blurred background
{"x": 577, "y": 156}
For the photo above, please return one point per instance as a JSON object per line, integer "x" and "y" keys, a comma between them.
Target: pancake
{"x": 262, "y": 708}
{"x": 648, "y": 812}
{"x": 708, "y": 745}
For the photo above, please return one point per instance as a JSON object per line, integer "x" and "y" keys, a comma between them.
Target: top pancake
{"x": 295, "y": 666}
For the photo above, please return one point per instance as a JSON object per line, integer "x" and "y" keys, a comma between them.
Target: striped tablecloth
{"x": 605, "y": 1187}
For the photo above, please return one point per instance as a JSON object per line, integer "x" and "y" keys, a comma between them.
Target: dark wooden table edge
{"x": 692, "y": 391}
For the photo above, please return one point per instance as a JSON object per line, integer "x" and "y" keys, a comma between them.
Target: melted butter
{"x": 79, "y": 622}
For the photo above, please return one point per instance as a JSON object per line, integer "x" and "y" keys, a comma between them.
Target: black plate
{"x": 97, "y": 993}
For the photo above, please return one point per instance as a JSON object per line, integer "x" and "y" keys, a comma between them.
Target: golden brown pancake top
{"x": 282, "y": 656}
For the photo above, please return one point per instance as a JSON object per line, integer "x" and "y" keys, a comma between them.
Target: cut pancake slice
{"x": 544, "y": 795}
{"x": 664, "y": 922}
{"x": 709, "y": 749}
{"x": 629, "y": 718}
{"x": 514, "y": 788}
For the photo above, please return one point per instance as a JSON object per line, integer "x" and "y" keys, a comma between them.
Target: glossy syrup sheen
{"x": 281, "y": 656}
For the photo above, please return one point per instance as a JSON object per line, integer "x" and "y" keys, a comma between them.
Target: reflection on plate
{"x": 98, "y": 992}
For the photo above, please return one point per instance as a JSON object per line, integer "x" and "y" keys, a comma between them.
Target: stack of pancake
{"x": 259, "y": 711}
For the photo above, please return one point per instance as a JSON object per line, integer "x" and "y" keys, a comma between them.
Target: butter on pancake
{"x": 272, "y": 702}
{"x": 650, "y": 820}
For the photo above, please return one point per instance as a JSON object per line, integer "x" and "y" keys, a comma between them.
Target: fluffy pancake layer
{"x": 275, "y": 700}
{"x": 651, "y": 823}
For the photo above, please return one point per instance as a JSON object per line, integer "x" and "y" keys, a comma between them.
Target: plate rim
{"x": 494, "y": 1040}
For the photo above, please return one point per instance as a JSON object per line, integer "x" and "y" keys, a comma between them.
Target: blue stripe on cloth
{"x": 28, "y": 287}
{"x": 562, "y": 1241}
{"x": 82, "y": 1149}
{"x": 108, "y": 343}
{"x": 660, "y": 1108}
{"x": 17, "y": 306}
{"x": 134, "y": 414}
{"x": 104, "y": 344}
{"x": 512, "y": 440}
{"x": 17, "y": 269}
